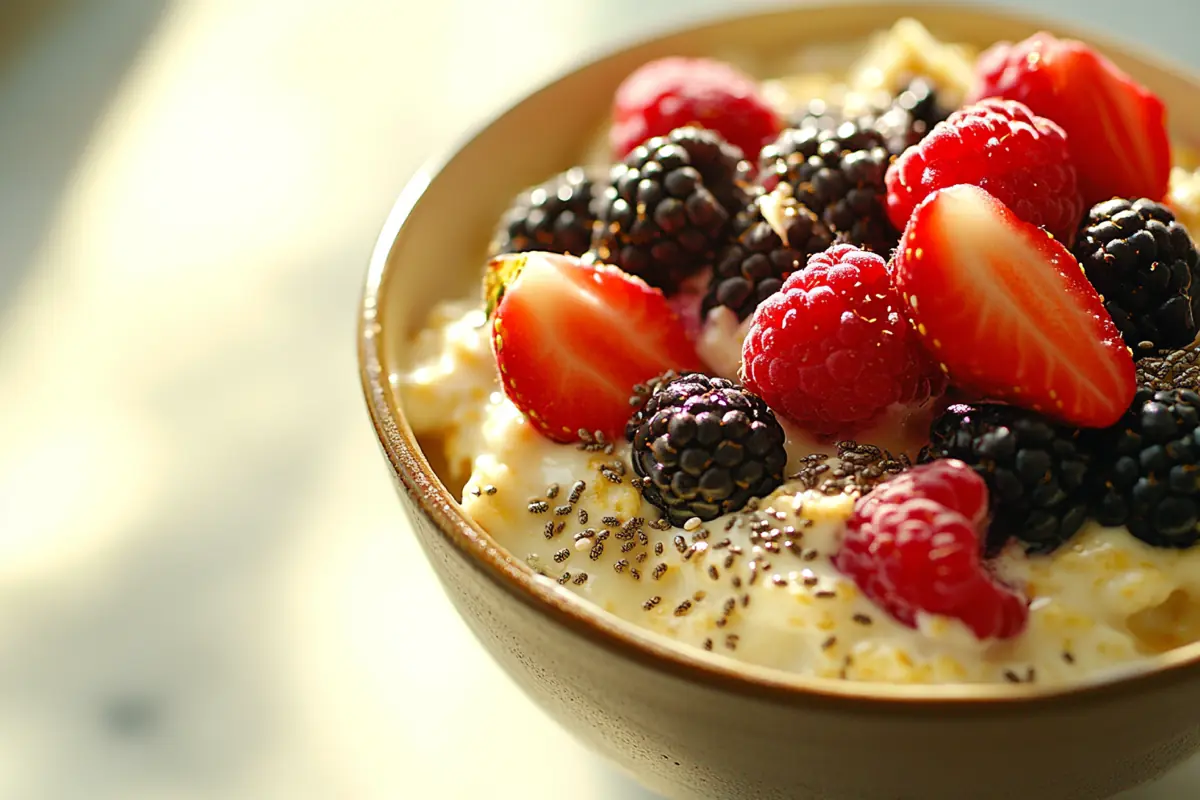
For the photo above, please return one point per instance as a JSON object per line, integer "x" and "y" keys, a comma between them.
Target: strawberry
{"x": 572, "y": 340}
{"x": 1007, "y": 311}
{"x": 1116, "y": 128}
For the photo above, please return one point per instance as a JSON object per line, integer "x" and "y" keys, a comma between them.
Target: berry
{"x": 1034, "y": 470}
{"x": 912, "y": 545}
{"x": 668, "y": 206}
{"x": 902, "y": 120}
{"x": 548, "y": 312}
{"x": 839, "y": 174}
{"x": 1145, "y": 266}
{"x": 704, "y": 446}
{"x": 1149, "y": 479}
{"x": 1007, "y": 311}
{"x": 774, "y": 238}
{"x": 1170, "y": 369}
{"x": 1001, "y": 147}
{"x": 671, "y": 93}
{"x": 553, "y": 217}
{"x": 831, "y": 350}
{"x": 1116, "y": 128}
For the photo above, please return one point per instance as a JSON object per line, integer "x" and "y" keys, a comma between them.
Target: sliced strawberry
{"x": 1007, "y": 312}
{"x": 573, "y": 339}
{"x": 1116, "y": 128}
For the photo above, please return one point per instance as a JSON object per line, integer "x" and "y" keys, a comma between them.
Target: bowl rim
{"x": 412, "y": 471}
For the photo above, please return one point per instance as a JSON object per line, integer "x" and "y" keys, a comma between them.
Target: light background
{"x": 206, "y": 585}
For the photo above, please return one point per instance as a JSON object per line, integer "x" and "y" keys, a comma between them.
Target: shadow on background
{"x": 51, "y": 106}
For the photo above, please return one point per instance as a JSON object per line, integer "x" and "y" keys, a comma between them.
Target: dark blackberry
{"x": 554, "y": 217}
{"x": 704, "y": 446}
{"x": 839, "y": 174}
{"x": 903, "y": 119}
{"x": 1035, "y": 470}
{"x": 768, "y": 246}
{"x": 668, "y": 205}
{"x": 1170, "y": 369}
{"x": 1148, "y": 475}
{"x": 1144, "y": 265}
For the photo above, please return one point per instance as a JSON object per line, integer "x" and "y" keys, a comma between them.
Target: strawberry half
{"x": 1116, "y": 128}
{"x": 1007, "y": 311}
{"x": 572, "y": 340}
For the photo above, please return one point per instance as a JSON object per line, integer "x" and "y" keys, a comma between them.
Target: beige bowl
{"x": 683, "y": 722}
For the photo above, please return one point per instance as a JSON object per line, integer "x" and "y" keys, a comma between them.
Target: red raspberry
{"x": 1002, "y": 147}
{"x": 671, "y": 93}
{"x": 913, "y": 545}
{"x": 831, "y": 350}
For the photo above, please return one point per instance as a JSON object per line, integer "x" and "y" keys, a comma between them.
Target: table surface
{"x": 206, "y": 585}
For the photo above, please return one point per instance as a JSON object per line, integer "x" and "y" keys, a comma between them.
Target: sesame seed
{"x": 745, "y": 600}
{"x": 627, "y": 546}
{"x": 583, "y": 516}
{"x": 731, "y": 641}
{"x": 828, "y": 643}
{"x": 548, "y": 531}
{"x": 862, "y": 619}
{"x": 729, "y": 606}
{"x": 576, "y": 491}
{"x": 680, "y": 544}
{"x": 601, "y": 536}
{"x": 778, "y": 580}
{"x": 620, "y": 566}
{"x": 652, "y": 602}
{"x": 708, "y": 644}
{"x": 661, "y": 524}
{"x": 659, "y": 570}
{"x": 810, "y": 555}
{"x": 633, "y": 572}
{"x": 610, "y": 520}
{"x": 713, "y": 572}
{"x": 562, "y": 579}
{"x": 552, "y": 491}
{"x": 692, "y": 524}
{"x": 562, "y": 511}
{"x": 683, "y": 608}
{"x": 539, "y": 507}
{"x": 597, "y": 551}
{"x": 737, "y": 581}
{"x": 489, "y": 489}
{"x": 643, "y": 539}
{"x": 580, "y": 579}
{"x": 588, "y": 534}
{"x": 641, "y": 557}
{"x": 559, "y": 527}
{"x": 811, "y": 580}
{"x": 562, "y": 555}
{"x": 658, "y": 548}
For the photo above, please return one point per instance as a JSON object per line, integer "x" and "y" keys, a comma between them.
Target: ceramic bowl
{"x": 685, "y": 723}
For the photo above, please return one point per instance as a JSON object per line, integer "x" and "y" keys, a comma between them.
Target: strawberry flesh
{"x": 572, "y": 340}
{"x": 1116, "y": 128}
{"x": 1007, "y": 311}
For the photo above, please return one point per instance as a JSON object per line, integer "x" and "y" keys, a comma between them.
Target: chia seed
{"x": 539, "y": 507}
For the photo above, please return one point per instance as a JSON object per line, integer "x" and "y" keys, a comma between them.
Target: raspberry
{"x": 913, "y": 545}
{"x": 671, "y": 93}
{"x": 831, "y": 350}
{"x": 1002, "y": 147}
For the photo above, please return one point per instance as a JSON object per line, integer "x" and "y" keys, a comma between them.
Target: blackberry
{"x": 1036, "y": 471}
{"x": 668, "y": 205}
{"x": 839, "y": 174}
{"x": 1170, "y": 369}
{"x": 1144, "y": 265}
{"x": 554, "y": 217}
{"x": 704, "y": 446}
{"x": 1149, "y": 478}
{"x": 773, "y": 238}
{"x": 902, "y": 120}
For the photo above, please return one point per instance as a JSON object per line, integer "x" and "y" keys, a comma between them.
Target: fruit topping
{"x": 1035, "y": 470}
{"x": 1171, "y": 369}
{"x": 1116, "y": 128}
{"x": 704, "y": 446}
{"x": 671, "y": 93}
{"x": 668, "y": 206}
{"x": 912, "y": 546}
{"x": 1001, "y": 147}
{"x": 839, "y": 175}
{"x": 1149, "y": 472}
{"x": 572, "y": 340}
{"x": 554, "y": 217}
{"x": 1144, "y": 264}
{"x": 902, "y": 120}
{"x": 774, "y": 237}
{"x": 1007, "y": 312}
{"x": 831, "y": 350}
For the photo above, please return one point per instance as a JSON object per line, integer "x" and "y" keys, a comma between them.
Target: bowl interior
{"x": 432, "y": 247}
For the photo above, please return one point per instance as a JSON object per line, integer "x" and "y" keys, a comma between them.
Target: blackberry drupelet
{"x": 1171, "y": 369}
{"x": 1144, "y": 264}
{"x": 773, "y": 238}
{"x": 839, "y": 174}
{"x": 668, "y": 205}
{"x": 1148, "y": 478}
{"x": 554, "y": 217}
{"x": 1035, "y": 470}
{"x": 704, "y": 446}
{"x": 903, "y": 120}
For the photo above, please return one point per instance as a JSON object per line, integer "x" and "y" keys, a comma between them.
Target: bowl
{"x": 689, "y": 724}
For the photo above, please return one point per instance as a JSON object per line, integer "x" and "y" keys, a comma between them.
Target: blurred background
{"x": 206, "y": 585}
